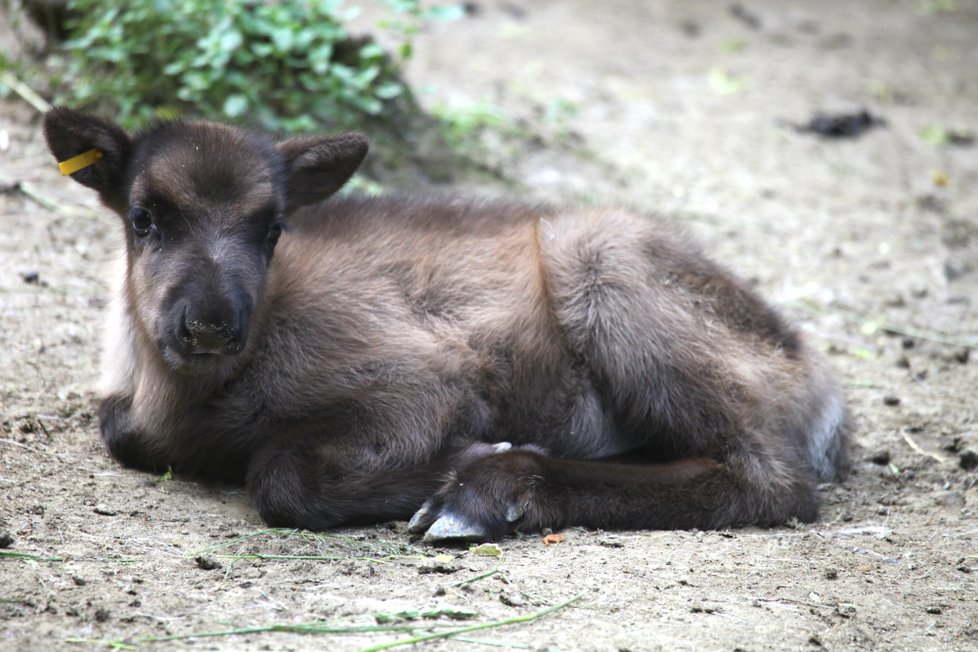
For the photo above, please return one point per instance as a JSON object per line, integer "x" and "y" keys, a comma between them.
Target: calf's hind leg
{"x": 702, "y": 379}
{"x": 525, "y": 490}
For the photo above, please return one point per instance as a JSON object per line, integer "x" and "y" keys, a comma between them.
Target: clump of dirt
{"x": 679, "y": 108}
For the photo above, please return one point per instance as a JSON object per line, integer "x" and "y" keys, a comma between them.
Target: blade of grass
{"x": 474, "y": 628}
{"x": 26, "y": 92}
{"x": 916, "y": 447}
{"x": 261, "y": 555}
{"x": 242, "y": 538}
{"x": 325, "y": 628}
{"x": 32, "y": 193}
{"x": 476, "y": 641}
{"x": 477, "y": 578}
{"x": 27, "y": 555}
{"x": 115, "y": 645}
{"x": 265, "y": 557}
{"x": 863, "y": 384}
{"x": 931, "y": 336}
{"x": 339, "y": 543}
{"x": 299, "y": 628}
{"x": 329, "y": 547}
{"x": 32, "y": 557}
{"x": 383, "y": 618}
{"x": 888, "y": 327}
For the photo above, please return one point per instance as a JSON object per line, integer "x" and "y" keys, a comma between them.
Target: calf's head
{"x": 203, "y": 205}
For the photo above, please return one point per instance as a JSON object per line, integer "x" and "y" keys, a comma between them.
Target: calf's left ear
{"x": 319, "y": 166}
{"x": 95, "y": 152}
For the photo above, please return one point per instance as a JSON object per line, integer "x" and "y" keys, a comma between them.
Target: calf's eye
{"x": 142, "y": 220}
{"x": 274, "y": 233}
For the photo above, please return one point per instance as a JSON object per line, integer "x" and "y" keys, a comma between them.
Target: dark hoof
{"x": 484, "y": 501}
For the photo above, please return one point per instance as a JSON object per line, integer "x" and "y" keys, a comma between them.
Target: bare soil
{"x": 870, "y": 243}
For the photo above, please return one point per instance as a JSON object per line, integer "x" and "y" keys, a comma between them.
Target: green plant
{"x": 462, "y": 125}
{"x": 289, "y": 65}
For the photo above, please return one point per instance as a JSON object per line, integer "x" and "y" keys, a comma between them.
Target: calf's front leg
{"x": 124, "y": 440}
{"x": 313, "y": 486}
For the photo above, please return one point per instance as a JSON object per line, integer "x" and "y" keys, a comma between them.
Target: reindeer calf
{"x": 485, "y": 366}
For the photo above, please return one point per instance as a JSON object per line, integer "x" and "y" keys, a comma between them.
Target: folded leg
{"x": 524, "y": 490}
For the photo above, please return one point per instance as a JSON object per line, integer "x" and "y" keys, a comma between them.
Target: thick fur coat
{"x": 486, "y": 366}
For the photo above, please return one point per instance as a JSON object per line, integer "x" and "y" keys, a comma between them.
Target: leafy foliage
{"x": 290, "y": 65}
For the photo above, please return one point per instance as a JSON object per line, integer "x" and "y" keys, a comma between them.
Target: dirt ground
{"x": 684, "y": 108}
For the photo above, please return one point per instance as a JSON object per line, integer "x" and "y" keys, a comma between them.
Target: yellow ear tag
{"x": 80, "y": 162}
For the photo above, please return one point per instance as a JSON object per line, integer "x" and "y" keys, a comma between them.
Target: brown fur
{"x": 379, "y": 358}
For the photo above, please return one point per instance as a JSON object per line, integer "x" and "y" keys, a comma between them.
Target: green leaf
{"x": 266, "y": 62}
{"x": 235, "y": 105}
{"x": 445, "y": 12}
{"x": 371, "y": 51}
{"x": 869, "y": 327}
{"x": 388, "y": 90}
{"x": 724, "y": 83}
{"x": 282, "y": 38}
{"x": 166, "y": 476}
{"x": 487, "y": 550}
{"x": 935, "y": 135}
{"x": 231, "y": 41}
{"x": 404, "y": 6}
{"x": 262, "y": 49}
{"x": 734, "y": 45}
{"x": 173, "y": 68}
{"x": 862, "y": 353}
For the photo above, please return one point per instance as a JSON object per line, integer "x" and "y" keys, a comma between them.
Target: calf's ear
{"x": 319, "y": 166}
{"x": 93, "y": 151}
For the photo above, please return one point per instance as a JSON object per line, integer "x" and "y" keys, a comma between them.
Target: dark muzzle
{"x": 218, "y": 339}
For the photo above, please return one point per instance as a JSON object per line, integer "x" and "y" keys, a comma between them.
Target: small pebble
{"x": 611, "y": 543}
{"x": 845, "y": 610}
{"x": 968, "y": 460}
{"x": 104, "y": 510}
{"x": 6, "y": 539}
{"x": 512, "y": 599}
{"x": 952, "y": 499}
{"x": 954, "y": 446}
{"x": 207, "y": 563}
{"x": 891, "y": 400}
{"x": 880, "y": 457}
{"x": 437, "y": 567}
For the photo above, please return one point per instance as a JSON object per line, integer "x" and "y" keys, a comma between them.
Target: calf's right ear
{"x": 318, "y": 166}
{"x": 93, "y": 151}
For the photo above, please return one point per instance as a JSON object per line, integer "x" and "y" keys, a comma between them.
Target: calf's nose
{"x": 212, "y": 336}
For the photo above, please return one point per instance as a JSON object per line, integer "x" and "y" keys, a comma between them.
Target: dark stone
{"x": 968, "y": 460}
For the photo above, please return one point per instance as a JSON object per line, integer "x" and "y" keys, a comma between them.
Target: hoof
{"x": 452, "y": 527}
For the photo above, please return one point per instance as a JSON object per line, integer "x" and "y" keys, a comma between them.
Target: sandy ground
{"x": 870, "y": 243}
